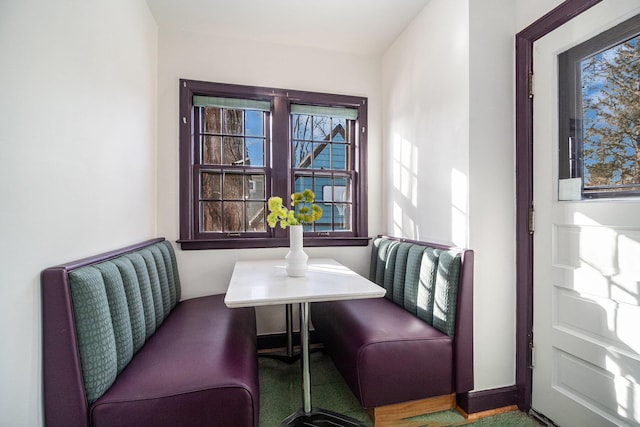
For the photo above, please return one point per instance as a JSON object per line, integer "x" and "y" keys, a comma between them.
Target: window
{"x": 240, "y": 145}
{"x": 322, "y": 141}
{"x": 600, "y": 115}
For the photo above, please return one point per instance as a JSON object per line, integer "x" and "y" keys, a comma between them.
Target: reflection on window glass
{"x": 610, "y": 91}
{"x": 302, "y": 182}
{"x": 321, "y": 128}
{"x": 255, "y": 152}
{"x": 211, "y": 214}
{"x": 320, "y": 148}
{"x": 316, "y": 138}
{"x": 232, "y": 181}
{"x": 211, "y": 188}
{"x": 233, "y": 122}
{"x": 233, "y": 219}
{"x": 254, "y": 123}
{"x": 211, "y": 150}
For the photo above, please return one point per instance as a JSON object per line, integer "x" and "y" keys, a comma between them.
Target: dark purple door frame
{"x": 524, "y": 186}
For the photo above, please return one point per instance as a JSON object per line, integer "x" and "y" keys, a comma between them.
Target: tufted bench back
{"x": 421, "y": 279}
{"x": 117, "y": 305}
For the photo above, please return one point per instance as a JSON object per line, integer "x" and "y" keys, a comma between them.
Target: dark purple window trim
{"x": 524, "y": 186}
{"x": 280, "y": 184}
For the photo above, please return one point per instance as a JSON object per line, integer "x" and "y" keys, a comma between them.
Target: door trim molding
{"x": 563, "y": 13}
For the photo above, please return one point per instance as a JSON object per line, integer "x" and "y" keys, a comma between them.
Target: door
{"x": 586, "y": 298}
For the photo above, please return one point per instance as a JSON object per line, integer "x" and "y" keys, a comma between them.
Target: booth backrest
{"x": 434, "y": 283}
{"x": 97, "y": 313}
{"x": 118, "y": 304}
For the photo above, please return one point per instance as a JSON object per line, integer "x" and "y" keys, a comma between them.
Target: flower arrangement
{"x": 307, "y": 210}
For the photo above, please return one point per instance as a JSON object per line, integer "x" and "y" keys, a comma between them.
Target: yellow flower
{"x": 307, "y": 212}
{"x": 316, "y": 212}
{"x": 275, "y": 203}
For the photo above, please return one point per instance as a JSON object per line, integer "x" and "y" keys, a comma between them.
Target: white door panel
{"x": 586, "y": 267}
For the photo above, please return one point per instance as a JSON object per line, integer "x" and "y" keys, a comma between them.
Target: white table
{"x": 265, "y": 282}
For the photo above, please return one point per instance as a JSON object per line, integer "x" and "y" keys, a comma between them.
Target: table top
{"x": 265, "y": 282}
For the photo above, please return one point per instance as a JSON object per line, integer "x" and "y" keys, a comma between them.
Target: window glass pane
{"x": 342, "y": 217}
{"x": 335, "y": 193}
{"x": 211, "y": 219}
{"x": 233, "y": 150}
{"x": 234, "y": 122}
{"x": 255, "y": 152}
{"x": 256, "y": 216}
{"x": 210, "y": 186}
{"x": 301, "y": 183}
{"x": 342, "y": 188}
{"x": 255, "y": 187}
{"x": 338, "y": 133}
{"x": 254, "y": 121}
{"x": 233, "y": 216}
{"x": 325, "y": 223}
{"x": 339, "y": 156}
{"x": 301, "y": 126}
{"x": 211, "y": 150}
{"x": 302, "y": 154}
{"x": 611, "y": 118}
{"x": 321, "y": 155}
{"x": 211, "y": 120}
{"x": 233, "y": 186}
{"x": 321, "y": 128}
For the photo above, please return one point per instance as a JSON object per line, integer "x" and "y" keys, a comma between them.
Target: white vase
{"x": 296, "y": 257}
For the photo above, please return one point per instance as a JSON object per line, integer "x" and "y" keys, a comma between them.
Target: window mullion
{"x": 280, "y": 154}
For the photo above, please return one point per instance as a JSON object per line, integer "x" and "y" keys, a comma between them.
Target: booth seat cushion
{"x": 196, "y": 369}
{"x": 387, "y": 354}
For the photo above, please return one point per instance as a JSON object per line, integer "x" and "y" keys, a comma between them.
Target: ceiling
{"x": 366, "y": 27}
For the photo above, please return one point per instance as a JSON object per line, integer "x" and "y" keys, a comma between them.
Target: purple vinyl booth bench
{"x": 408, "y": 353}
{"x": 121, "y": 349}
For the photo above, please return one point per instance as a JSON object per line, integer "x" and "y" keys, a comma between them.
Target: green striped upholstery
{"x": 172, "y": 271}
{"x": 158, "y": 261}
{"x": 118, "y": 304}
{"x": 428, "y": 270}
{"x": 145, "y": 291}
{"x": 446, "y": 292}
{"x": 381, "y": 261}
{"x": 400, "y": 272}
{"x": 134, "y": 300}
{"x": 119, "y": 311}
{"x": 412, "y": 279}
{"x": 389, "y": 268}
{"x": 421, "y": 279}
{"x": 154, "y": 281}
{"x": 96, "y": 339}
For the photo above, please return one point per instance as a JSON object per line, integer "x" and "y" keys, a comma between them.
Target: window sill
{"x": 188, "y": 245}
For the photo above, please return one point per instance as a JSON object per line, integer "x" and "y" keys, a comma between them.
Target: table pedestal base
{"x": 290, "y": 356}
{"x": 318, "y": 417}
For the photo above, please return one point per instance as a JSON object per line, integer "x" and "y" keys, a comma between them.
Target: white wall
{"x": 77, "y": 159}
{"x": 492, "y": 189}
{"x": 449, "y": 135}
{"x": 199, "y": 57}
{"x": 527, "y": 12}
{"x": 425, "y": 81}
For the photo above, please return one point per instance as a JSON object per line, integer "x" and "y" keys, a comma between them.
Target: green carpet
{"x": 281, "y": 395}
